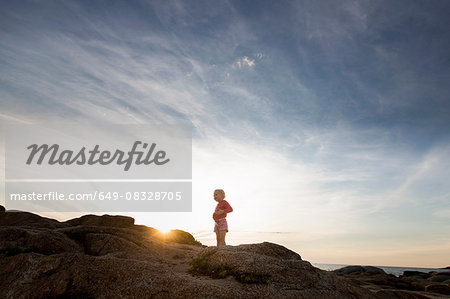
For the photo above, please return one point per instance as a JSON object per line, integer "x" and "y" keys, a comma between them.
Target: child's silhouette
{"x": 219, "y": 216}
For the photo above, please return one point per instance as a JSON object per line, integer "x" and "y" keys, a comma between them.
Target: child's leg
{"x": 218, "y": 238}
{"x": 222, "y": 234}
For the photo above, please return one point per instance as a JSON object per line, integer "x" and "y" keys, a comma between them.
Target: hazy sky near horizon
{"x": 326, "y": 122}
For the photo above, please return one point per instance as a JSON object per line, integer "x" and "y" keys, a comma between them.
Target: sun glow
{"x": 165, "y": 231}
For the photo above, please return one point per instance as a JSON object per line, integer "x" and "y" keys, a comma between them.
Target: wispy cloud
{"x": 245, "y": 62}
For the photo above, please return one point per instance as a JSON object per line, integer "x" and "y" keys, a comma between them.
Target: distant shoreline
{"x": 397, "y": 271}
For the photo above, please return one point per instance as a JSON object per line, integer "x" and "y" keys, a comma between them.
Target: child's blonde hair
{"x": 221, "y": 191}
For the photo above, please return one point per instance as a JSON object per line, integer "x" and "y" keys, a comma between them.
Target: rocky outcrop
{"x": 400, "y": 294}
{"x": 359, "y": 270}
{"x": 105, "y": 220}
{"x": 14, "y": 240}
{"x": 111, "y": 257}
{"x": 277, "y": 272}
{"x": 412, "y": 284}
{"x": 416, "y": 275}
{"x": 25, "y": 219}
{"x": 440, "y": 277}
{"x": 438, "y": 288}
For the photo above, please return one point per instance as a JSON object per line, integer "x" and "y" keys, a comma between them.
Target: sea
{"x": 397, "y": 271}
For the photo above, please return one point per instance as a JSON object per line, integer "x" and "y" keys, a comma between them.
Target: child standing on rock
{"x": 219, "y": 216}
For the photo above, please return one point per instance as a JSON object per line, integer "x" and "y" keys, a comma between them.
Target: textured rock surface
{"x": 438, "y": 288}
{"x": 28, "y": 219}
{"x": 44, "y": 241}
{"x": 110, "y": 257}
{"x": 359, "y": 270}
{"x": 286, "y": 273}
{"x": 412, "y": 284}
{"x": 105, "y": 220}
{"x": 440, "y": 276}
{"x": 400, "y": 294}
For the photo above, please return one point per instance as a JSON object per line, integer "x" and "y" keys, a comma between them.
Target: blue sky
{"x": 325, "y": 121}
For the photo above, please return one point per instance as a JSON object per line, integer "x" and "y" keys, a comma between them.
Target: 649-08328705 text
{"x": 99, "y": 195}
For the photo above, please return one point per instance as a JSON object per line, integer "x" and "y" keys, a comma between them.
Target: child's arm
{"x": 227, "y": 208}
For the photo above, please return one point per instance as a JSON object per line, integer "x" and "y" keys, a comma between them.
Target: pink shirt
{"x": 225, "y": 206}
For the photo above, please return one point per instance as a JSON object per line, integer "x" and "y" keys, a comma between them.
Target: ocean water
{"x": 397, "y": 271}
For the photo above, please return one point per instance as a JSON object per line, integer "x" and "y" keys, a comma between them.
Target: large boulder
{"x": 103, "y": 244}
{"x": 15, "y": 240}
{"x": 274, "y": 265}
{"x": 76, "y": 275}
{"x": 373, "y": 276}
{"x": 358, "y": 270}
{"x": 440, "y": 276}
{"x": 104, "y": 220}
{"x": 18, "y": 218}
{"x": 177, "y": 236}
{"x": 415, "y": 274}
{"x": 438, "y": 288}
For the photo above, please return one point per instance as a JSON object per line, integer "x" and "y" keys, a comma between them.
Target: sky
{"x": 325, "y": 122}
